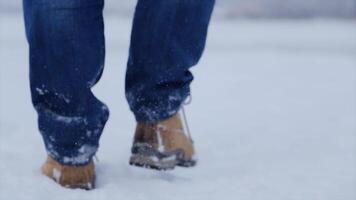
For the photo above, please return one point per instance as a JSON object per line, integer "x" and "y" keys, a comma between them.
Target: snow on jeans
{"x": 67, "y": 49}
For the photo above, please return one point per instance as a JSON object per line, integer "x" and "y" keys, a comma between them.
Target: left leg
{"x": 66, "y": 40}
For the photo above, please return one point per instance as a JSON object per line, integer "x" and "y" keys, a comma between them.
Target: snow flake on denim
{"x": 69, "y": 120}
{"x": 84, "y": 155}
{"x": 89, "y": 133}
{"x": 40, "y": 91}
{"x": 62, "y": 97}
{"x": 51, "y": 138}
{"x": 51, "y": 151}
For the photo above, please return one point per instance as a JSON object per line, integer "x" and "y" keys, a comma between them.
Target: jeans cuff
{"x": 160, "y": 111}
{"x": 84, "y": 156}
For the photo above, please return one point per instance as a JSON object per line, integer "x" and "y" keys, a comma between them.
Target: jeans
{"x": 67, "y": 50}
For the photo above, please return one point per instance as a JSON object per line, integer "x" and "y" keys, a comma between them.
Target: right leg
{"x": 66, "y": 39}
{"x": 168, "y": 38}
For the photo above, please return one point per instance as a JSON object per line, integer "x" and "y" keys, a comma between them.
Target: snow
{"x": 273, "y": 117}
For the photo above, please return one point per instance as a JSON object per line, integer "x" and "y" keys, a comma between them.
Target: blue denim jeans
{"x": 67, "y": 50}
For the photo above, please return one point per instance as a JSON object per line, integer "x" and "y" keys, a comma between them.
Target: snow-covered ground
{"x": 273, "y": 116}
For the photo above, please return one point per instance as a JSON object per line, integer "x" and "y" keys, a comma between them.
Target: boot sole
{"x": 151, "y": 162}
{"x": 147, "y": 157}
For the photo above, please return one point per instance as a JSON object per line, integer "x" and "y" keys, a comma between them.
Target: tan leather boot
{"x": 82, "y": 177}
{"x": 162, "y": 145}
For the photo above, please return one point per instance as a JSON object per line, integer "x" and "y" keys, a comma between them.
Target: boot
{"x": 162, "y": 145}
{"x": 82, "y": 177}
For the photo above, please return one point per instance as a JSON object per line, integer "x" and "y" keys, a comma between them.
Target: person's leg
{"x": 168, "y": 37}
{"x": 66, "y": 39}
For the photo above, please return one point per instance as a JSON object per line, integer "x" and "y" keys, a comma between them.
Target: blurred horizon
{"x": 240, "y": 8}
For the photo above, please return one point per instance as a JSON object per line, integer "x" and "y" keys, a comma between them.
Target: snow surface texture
{"x": 273, "y": 117}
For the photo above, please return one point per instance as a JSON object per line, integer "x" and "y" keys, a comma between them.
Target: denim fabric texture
{"x": 67, "y": 51}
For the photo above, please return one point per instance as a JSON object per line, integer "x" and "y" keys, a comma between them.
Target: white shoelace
{"x": 187, "y": 102}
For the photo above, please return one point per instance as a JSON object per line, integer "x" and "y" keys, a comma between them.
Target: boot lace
{"x": 186, "y": 125}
